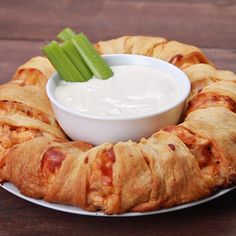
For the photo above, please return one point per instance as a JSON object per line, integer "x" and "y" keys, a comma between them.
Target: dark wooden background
{"x": 26, "y": 25}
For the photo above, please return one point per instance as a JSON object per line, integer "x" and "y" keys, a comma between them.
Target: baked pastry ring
{"x": 177, "y": 164}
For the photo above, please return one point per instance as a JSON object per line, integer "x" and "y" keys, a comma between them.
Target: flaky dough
{"x": 175, "y": 165}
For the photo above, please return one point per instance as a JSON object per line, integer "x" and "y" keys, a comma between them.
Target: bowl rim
{"x": 182, "y": 98}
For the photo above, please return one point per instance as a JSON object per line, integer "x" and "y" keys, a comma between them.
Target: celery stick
{"x": 76, "y": 59}
{"x": 89, "y": 54}
{"x": 66, "y": 34}
{"x": 62, "y": 63}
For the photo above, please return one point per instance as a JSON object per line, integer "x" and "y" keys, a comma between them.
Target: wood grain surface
{"x": 202, "y": 23}
{"x": 27, "y": 25}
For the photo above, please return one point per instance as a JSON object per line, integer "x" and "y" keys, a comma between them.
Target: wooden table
{"x": 26, "y": 25}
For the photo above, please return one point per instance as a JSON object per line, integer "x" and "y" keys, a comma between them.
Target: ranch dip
{"x": 132, "y": 90}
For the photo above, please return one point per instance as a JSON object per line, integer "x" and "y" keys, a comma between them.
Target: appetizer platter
{"x": 186, "y": 158}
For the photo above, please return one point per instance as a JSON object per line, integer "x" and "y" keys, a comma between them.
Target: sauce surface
{"x": 132, "y": 90}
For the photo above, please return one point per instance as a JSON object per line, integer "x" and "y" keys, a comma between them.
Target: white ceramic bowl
{"x": 96, "y": 129}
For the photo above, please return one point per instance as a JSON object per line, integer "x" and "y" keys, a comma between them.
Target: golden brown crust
{"x": 176, "y": 165}
{"x": 175, "y": 172}
{"x": 36, "y": 71}
{"x": 202, "y": 75}
{"x": 218, "y": 94}
{"x": 179, "y": 54}
{"x": 132, "y": 176}
{"x": 29, "y": 100}
{"x": 18, "y": 120}
{"x": 25, "y": 113}
{"x": 142, "y": 45}
{"x": 35, "y": 179}
{"x": 218, "y": 124}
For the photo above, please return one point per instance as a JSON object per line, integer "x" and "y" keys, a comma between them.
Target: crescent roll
{"x": 25, "y": 113}
{"x": 158, "y": 172}
{"x": 210, "y": 136}
{"x": 178, "y": 164}
{"x": 36, "y": 71}
{"x": 222, "y": 93}
{"x": 202, "y": 75}
{"x": 28, "y": 100}
{"x": 179, "y": 54}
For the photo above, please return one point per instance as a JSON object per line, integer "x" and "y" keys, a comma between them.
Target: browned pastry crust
{"x": 36, "y": 71}
{"x": 28, "y": 100}
{"x": 179, "y": 54}
{"x": 202, "y": 75}
{"x": 178, "y": 164}
{"x": 221, "y": 94}
{"x": 209, "y": 134}
{"x": 112, "y": 178}
{"x": 25, "y": 113}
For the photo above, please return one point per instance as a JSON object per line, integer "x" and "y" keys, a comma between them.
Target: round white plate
{"x": 76, "y": 210}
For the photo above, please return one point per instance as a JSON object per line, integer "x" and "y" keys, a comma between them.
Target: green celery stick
{"x": 66, "y": 34}
{"x": 76, "y": 59}
{"x": 89, "y": 54}
{"x": 62, "y": 63}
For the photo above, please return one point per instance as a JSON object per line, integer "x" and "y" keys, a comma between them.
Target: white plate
{"x": 76, "y": 210}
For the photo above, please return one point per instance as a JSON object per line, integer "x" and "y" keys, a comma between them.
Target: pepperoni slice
{"x": 53, "y": 158}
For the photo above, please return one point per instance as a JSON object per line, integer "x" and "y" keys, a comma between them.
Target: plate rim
{"x": 78, "y": 211}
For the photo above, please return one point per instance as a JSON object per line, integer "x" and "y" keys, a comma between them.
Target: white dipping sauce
{"x": 132, "y": 90}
